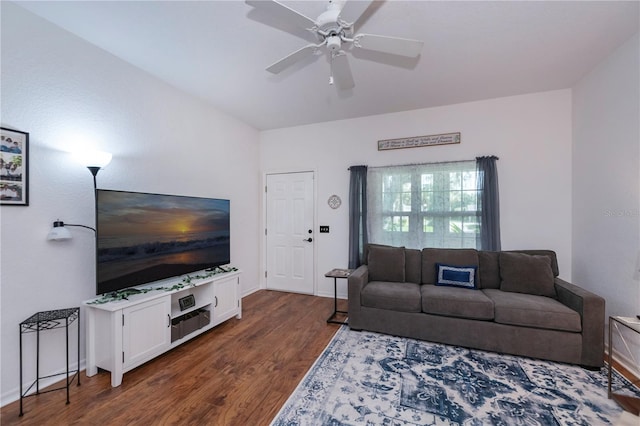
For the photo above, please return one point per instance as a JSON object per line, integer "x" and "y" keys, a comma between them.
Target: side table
{"x": 335, "y": 274}
{"x": 629, "y": 403}
{"x": 49, "y": 320}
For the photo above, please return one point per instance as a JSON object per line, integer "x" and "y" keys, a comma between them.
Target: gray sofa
{"x": 509, "y": 302}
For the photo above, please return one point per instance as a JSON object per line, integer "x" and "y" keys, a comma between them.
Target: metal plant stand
{"x": 49, "y": 320}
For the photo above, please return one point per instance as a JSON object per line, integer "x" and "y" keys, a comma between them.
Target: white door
{"x": 289, "y": 233}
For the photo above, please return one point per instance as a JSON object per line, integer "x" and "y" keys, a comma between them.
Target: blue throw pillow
{"x": 456, "y": 276}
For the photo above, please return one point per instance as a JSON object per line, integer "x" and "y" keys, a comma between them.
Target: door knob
{"x": 308, "y": 239}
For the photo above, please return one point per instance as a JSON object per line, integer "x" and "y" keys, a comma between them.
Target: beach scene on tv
{"x": 148, "y": 237}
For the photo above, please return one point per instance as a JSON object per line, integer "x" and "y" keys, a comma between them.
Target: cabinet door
{"x": 146, "y": 331}
{"x": 226, "y": 301}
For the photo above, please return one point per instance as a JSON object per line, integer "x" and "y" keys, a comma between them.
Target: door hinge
{"x": 265, "y": 274}
{"x": 123, "y": 357}
{"x": 265, "y": 231}
{"x": 265, "y": 188}
{"x": 123, "y": 320}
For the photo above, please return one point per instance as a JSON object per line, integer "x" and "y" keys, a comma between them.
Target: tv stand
{"x": 123, "y": 334}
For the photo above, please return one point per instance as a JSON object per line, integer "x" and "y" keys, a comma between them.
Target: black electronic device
{"x": 187, "y": 302}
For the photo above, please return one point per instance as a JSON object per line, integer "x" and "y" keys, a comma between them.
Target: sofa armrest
{"x": 356, "y": 282}
{"x": 590, "y": 306}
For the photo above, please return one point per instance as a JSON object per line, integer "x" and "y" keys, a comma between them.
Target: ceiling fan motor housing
{"x": 329, "y": 17}
{"x": 327, "y": 24}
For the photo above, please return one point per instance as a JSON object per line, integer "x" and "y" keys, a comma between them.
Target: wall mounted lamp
{"x": 59, "y": 232}
{"x": 94, "y": 161}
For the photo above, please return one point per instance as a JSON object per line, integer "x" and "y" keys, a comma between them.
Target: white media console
{"x": 123, "y": 334}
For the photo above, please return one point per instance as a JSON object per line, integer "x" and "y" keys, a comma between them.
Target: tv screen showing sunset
{"x": 147, "y": 237}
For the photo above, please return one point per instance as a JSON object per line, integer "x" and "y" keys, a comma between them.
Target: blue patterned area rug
{"x": 365, "y": 378}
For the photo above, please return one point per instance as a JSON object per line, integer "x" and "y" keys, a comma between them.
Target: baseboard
{"x": 13, "y": 395}
{"x": 251, "y": 291}
{"x": 340, "y": 297}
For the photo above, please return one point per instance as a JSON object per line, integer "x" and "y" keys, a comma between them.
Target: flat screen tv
{"x": 142, "y": 238}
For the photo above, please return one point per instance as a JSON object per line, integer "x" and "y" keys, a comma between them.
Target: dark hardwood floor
{"x": 239, "y": 373}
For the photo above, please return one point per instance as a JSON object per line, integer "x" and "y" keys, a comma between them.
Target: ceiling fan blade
{"x": 342, "y": 71}
{"x": 353, "y": 10}
{"x": 291, "y": 59}
{"x": 283, "y": 12}
{"x": 393, "y": 45}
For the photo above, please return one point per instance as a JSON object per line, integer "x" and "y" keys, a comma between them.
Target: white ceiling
{"x": 218, "y": 50}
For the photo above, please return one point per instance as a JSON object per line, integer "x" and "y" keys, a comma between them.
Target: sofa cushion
{"x": 549, "y": 253}
{"x": 404, "y": 297}
{"x": 529, "y": 310}
{"x": 431, "y": 256}
{"x": 412, "y": 265}
{"x": 386, "y": 263}
{"x": 456, "y": 276}
{"x": 525, "y": 273}
{"x": 456, "y": 302}
{"x": 489, "y": 267}
{"x": 412, "y": 262}
{"x": 366, "y": 250}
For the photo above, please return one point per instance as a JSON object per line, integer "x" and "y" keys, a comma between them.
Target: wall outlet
{"x": 324, "y": 229}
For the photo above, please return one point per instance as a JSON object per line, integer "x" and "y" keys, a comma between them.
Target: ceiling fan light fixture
{"x": 334, "y": 43}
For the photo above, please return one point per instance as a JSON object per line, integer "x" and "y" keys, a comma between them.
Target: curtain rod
{"x": 424, "y": 164}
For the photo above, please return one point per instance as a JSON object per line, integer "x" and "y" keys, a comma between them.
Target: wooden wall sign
{"x": 419, "y": 141}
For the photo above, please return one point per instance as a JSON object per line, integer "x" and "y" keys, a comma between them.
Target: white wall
{"x": 64, "y": 92}
{"x": 606, "y": 181}
{"x": 531, "y": 134}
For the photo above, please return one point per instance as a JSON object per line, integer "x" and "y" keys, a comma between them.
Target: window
{"x": 427, "y": 205}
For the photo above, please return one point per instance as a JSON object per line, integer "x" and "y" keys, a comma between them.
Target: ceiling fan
{"x": 334, "y": 30}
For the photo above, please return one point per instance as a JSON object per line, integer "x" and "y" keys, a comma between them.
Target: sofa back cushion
{"x": 452, "y": 257}
{"x": 489, "y": 267}
{"x": 413, "y": 266}
{"x": 412, "y": 262}
{"x": 525, "y": 273}
{"x": 386, "y": 263}
{"x": 549, "y": 253}
{"x": 366, "y": 249}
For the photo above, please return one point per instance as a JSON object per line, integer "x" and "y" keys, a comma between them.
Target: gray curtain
{"x": 490, "y": 203}
{"x": 357, "y": 215}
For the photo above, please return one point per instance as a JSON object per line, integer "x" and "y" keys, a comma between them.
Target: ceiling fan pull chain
{"x": 333, "y": 55}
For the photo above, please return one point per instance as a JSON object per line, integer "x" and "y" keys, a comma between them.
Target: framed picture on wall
{"x": 14, "y": 167}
